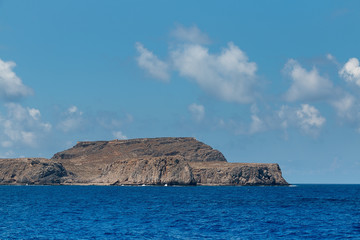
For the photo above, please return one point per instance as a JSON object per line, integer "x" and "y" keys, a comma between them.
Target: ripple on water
{"x": 95, "y": 212}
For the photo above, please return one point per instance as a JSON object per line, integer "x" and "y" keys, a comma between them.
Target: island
{"x": 146, "y": 161}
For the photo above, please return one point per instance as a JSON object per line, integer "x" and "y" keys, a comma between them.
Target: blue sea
{"x": 115, "y": 212}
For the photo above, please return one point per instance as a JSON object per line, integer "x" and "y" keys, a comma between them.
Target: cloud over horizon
{"x": 72, "y": 120}
{"x": 190, "y": 35}
{"x": 228, "y": 75}
{"x": 306, "y": 85}
{"x": 151, "y": 63}
{"x": 11, "y": 86}
{"x": 197, "y": 111}
{"x": 21, "y": 126}
{"x": 351, "y": 71}
{"x": 307, "y": 118}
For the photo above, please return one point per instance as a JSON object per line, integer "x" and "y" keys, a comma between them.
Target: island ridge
{"x": 146, "y": 161}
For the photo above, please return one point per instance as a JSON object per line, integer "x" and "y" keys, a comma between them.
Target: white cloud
{"x": 306, "y": 85}
{"x": 190, "y": 35}
{"x": 257, "y": 125}
{"x": 119, "y": 135}
{"x": 148, "y": 61}
{"x": 197, "y": 111}
{"x": 73, "y": 109}
{"x": 72, "y": 120}
{"x": 34, "y": 113}
{"x": 11, "y": 86}
{"x": 330, "y": 57}
{"x": 307, "y": 118}
{"x": 351, "y": 71}
{"x": 28, "y": 138}
{"x": 228, "y": 75}
{"x": 21, "y": 125}
{"x": 344, "y": 106}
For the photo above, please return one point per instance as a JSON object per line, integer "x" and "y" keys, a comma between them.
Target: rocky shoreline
{"x": 147, "y": 161}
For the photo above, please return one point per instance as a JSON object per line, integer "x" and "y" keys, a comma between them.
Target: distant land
{"x": 146, "y": 161}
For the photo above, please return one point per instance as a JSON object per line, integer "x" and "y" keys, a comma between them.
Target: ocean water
{"x": 114, "y": 212}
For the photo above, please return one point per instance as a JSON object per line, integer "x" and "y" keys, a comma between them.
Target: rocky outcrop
{"x": 216, "y": 173}
{"x": 87, "y": 160}
{"x": 149, "y": 161}
{"x": 31, "y": 171}
{"x": 148, "y": 171}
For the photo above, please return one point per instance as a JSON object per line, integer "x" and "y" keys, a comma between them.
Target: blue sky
{"x": 262, "y": 81}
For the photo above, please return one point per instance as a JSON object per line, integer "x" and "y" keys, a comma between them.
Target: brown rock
{"x": 31, "y": 171}
{"x": 149, "y": 161}
{"x": 149, "y": 171}
{"x": 88, "y": 159}
{"x": 219, "y": 173}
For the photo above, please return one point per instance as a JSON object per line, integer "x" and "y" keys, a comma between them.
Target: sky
{"x": 261, "y": 81}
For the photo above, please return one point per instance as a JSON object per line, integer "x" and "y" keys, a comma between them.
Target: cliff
{"x": 150, "y": 161}
{"x": 31, "y": 171}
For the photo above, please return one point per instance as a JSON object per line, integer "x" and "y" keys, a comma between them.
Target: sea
{"x": 148, "y": 212}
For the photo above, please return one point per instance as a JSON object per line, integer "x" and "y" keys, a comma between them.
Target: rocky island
{"x": 149, "y": 161}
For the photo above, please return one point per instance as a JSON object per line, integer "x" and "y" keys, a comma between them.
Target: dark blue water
{"x": 94, "y": 212}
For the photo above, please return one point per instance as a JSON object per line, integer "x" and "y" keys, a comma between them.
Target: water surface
{"x": 114, "y": 212}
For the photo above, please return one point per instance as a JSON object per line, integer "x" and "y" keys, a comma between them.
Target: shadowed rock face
{"x": 150, "y": 161}
{"x": 31, "y": 171}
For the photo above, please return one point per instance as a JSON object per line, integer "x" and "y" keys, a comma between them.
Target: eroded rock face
{"x": 149, "y": 171}
{"x": 87, "y": 160}
{"x": 215, "y": 173}
{"x": 156, "y": 161}
{"x": 31, "y": 171}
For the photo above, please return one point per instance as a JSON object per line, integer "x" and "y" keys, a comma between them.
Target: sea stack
{"x": 149, "y": 161}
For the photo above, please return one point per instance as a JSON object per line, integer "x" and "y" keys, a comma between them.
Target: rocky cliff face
{"x": 31, "y": 171}
{"x": 156, "y": 161}
{"x": 216, "y": 173}
{"x": 149, "y": 171}
{"x": 87, "y": 160}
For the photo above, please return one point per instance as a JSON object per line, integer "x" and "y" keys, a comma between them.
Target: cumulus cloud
{"x": 72, "y": 119}
{"x": 21, "y": 125}
{"x": 307, "y": 118}
{"x": 190, "y": 35}
{"x": 344, "y": 106}
{"x": 351, "y": 71}
{"x": 197, "y": 111}
{"x": 229, "y": 75}
{"x": 348, "y": 110}
{"x": 151, "y": 63}
{"x": 306, "y": 85}
{"x": 119, "y": 135}
{"x": 11, "y": 86}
